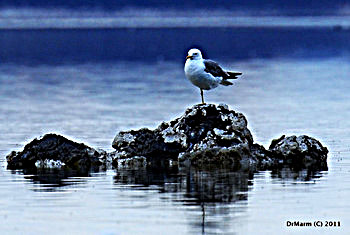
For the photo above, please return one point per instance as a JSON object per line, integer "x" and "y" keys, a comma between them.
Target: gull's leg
{"x": 202, "y": 96}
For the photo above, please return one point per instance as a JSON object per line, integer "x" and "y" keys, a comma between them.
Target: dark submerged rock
{"x": 55, "y": 150}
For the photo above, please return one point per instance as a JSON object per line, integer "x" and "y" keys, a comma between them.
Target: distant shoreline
{"x": 338, "y": 22}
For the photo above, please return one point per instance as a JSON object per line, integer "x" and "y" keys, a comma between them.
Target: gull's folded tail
{"x": 233, "y": 75}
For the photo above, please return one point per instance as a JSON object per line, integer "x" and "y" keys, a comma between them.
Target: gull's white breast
{"x": 194, "y": 70}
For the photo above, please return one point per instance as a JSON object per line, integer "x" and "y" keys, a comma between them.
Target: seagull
{"x": 206, "y": 74}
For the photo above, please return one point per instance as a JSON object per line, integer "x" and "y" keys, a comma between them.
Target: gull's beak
{"x": 189, "y": 57}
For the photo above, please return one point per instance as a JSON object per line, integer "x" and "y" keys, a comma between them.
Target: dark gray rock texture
{"x": 207, "y": 134}
{"x": 54, "y": 151}
{"x": 301, "y": 149}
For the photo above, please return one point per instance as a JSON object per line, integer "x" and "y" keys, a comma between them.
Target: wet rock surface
{"x": 208, "y": 135}
{"x": 54, "y": 151}
{"x": 301, "y": 149}
{"x": 205, "y": 136}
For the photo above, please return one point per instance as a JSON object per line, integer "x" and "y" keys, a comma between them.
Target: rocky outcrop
{"x": 201, "y": 127}
{"x": 55, "y": 151}
{"x": 298, "y": 150}
{"x": 210, "y": 135}
{"x": 204, "y": 136}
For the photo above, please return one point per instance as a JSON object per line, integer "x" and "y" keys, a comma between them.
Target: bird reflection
{"x": 211, "y": 196}
{"x": 207, "y": 189}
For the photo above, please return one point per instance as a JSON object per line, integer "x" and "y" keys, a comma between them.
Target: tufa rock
{"x": 54, "y": 151}
{"x": 204, "y": 134}
{"x": 209, "y": 135}
{"x": 301, "y": 149}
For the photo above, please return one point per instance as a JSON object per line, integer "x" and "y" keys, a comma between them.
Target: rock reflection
{"x": 303, "y": 174}
{"x": 220, "y": 185}
{"x": 169, "y": 178}
{"x": 197, "y": 186}
{"x": 53, "y": 179}
{"x": 205, "y": 194}
{"x": 213, "y": 197}
{"x": 217, "y": 185}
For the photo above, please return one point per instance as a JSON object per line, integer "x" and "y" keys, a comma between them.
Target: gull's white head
{"x": 194, "y": 54}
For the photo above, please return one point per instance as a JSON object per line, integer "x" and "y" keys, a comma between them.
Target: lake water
{"x": 296, "y": 81}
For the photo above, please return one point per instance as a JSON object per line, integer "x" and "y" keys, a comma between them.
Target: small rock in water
{"x": 300, "y": 149}
{"x": 54, "y": 151}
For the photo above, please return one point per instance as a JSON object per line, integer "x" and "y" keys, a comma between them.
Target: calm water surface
{"x": 91, "y": 102}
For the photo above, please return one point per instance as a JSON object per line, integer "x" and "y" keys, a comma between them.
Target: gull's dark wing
{"x": 214, "y": 69}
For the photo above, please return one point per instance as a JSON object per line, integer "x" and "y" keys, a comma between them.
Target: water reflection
{"x": 211, "y": 185}
{"x": 196, "y": 186}
{"x": 299, "y": 174}
{"x": 212, "y": 200}
{"x": 207, "y": 195}
{"x": 220, "y": 185}
{"x": 51, "y": 180}
{"x": 215, "y": 195}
